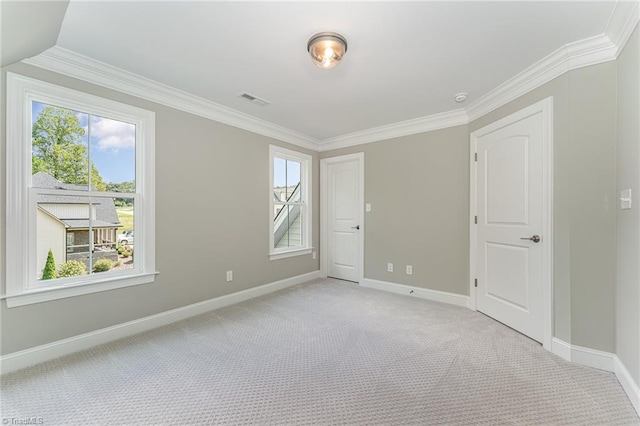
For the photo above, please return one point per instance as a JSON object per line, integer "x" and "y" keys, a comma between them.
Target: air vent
{"x": 253, "y": 99}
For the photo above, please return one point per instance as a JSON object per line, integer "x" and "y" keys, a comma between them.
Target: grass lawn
{"x": 126, "y": 220}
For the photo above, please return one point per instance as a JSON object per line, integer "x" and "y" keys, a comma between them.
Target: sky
{"x": 112, "y": 145}
{"x": 285, "y": 171}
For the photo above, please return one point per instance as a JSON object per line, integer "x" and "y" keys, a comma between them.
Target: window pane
{"x": 84, "y": 234}
{"x": 279, "y": 179}
{"x": 293, "y": 179}
{"x": 287, "y": 227}
{"x": 59, "y": 154}
{"x": 113, "y": 154}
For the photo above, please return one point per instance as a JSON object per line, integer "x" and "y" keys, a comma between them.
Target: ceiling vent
{"x": 253, "y": 99}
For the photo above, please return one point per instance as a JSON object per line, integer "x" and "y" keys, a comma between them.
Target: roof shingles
{"x": 106, "y": 213}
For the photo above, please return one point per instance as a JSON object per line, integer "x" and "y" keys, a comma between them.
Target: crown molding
{"x": 622, "y": 22}
{"x": 78, "y": 66}
{"x": 583, "y": 53}
{"x": 404, "y": 128}
{"x": 591, "y": 51}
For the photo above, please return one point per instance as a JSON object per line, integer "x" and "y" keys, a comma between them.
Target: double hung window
{"x": 290, "y": 203}
{"x": 80, "y": 179}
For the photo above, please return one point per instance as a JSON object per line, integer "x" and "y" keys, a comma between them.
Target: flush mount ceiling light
{"x": 327, "y": 49}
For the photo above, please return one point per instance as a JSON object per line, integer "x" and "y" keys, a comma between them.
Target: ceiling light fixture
{"x": 327, "y": 49}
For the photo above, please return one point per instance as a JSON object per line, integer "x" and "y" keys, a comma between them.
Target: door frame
{"x": 545, "y": 107}
{"x": 324, "y": 210}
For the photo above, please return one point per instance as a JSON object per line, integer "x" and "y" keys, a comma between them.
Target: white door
{"x": 343, "y": 216}
{"x": 510, "y": 267}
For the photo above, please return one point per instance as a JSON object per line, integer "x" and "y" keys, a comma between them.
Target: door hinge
{"x": 476, "y": 220}
{"x": 476, "y": 156}
{"x": 476, "y": 282}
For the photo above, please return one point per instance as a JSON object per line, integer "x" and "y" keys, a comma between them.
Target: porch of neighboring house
{"x": 102, "y": 245}
{"x": 287, "y": 223}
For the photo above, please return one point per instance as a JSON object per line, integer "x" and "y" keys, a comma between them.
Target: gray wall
{"x": 211, "y": 216}
{"x": 628, "y": 286}
{"x": 418, "y": 187}
{"x": 593, "y": 204}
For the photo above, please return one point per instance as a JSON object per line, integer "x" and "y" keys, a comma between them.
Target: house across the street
{"x": 64, "y": 223}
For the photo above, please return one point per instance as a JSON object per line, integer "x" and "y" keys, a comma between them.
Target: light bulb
{"x": 328, "y": 52}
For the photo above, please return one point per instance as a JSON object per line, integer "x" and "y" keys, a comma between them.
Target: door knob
{"x": 534, "y": 238}
{"x": 355, "y": 227}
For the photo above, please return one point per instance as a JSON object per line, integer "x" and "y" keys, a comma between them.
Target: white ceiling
{"x": 405, "y": 60}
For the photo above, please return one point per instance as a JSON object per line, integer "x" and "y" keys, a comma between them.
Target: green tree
{"x": 49, "y": 271}
{"x": 72, "y": 268}
{"x": 128, "y": 187}
{"x": 58, "y": 148}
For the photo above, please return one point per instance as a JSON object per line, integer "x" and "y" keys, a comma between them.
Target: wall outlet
{"x": 367, "y": 207}
{"x": 313, "y": 255}
{"x": 625, "y": 199}
{"x": 409, "y": 270}
{"x": 389, "y": 267}
{"x": 229, "y": 276}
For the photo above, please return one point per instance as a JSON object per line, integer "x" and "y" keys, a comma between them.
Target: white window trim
{"x": 21, "y": 244}
{"x": 305, "y": 186}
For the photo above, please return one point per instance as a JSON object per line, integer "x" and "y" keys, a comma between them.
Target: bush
{"x": 102, "y": 265}
{"x": 72, "y": 268}
{"x": 118, "y": 263}
{"x": 49, "y": 271}
{"x": 126, "y": 254}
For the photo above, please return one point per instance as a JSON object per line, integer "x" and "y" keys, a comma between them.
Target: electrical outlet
{"x": 314, "y": 255}
{"x": 625, "y": 199}
{"x": 367, "y": 207}
{"x": 229, "y": 276}
{"x": 389, "y": 267}
{"x": 409, "y": 270}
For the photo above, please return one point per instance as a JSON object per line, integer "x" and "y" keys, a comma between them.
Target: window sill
{"x": 53, "y": 293}
{"x": 290, "y": 253}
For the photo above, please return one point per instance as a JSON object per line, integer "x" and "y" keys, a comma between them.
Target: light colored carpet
{"x": 325, "y": 352}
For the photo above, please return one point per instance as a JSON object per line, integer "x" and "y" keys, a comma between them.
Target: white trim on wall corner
{"x": 26, "y": 358}
{"x": 67, "y": 62}
{"x": 576, "y": 55}
{"x": 601, "y": 360}
{"x": 429, "y": 123}
{"x": 582, "y": 53}
{"x": 622, "y": 22}
{"x": 630, "y": 387}
{"x": 422, "y": 293}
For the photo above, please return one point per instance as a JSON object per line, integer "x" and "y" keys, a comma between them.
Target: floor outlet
{"x": 229, "y": 276}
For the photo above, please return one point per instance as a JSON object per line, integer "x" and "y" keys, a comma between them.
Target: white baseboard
{"x": 628, "y": 384}
{"x": 561, "y": 348}
{"x": 49, "y": 351}
{"x": 422, "y": 293}
{"x": 602, "y": 360}
{"x": 583, "y": 356}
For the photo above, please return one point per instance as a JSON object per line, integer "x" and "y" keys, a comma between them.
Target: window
{"x": 80, "y": 176}
{"x": 290, "y": 203}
